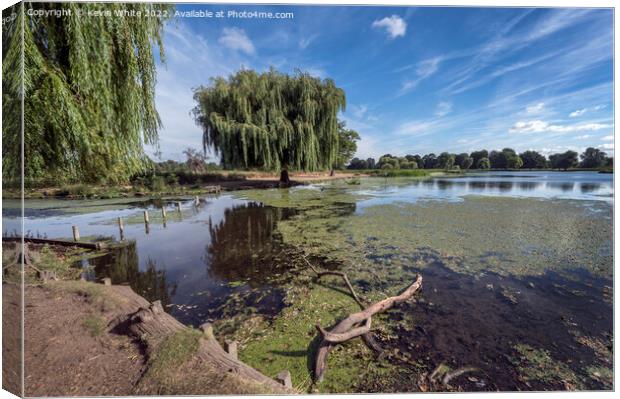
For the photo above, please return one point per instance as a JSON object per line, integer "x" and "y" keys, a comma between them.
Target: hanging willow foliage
{"x": 89, "y": 85}
{"x": 271, "y": 120}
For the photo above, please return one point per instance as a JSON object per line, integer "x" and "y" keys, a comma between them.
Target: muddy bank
{"x": 225, "y": 181}
{"x": 86, "y": 333}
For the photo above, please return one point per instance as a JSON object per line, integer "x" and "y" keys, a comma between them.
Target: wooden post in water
{"x": 121, "y": 228}
{"x": 196, "y": 201}
{"x": 146, "y": 217}
{"x": 163, "y": 212}
{"x": 178, "y": 207}
{"x": 76, "y": 233}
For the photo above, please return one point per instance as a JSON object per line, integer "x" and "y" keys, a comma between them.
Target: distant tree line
{"x": 483, "y": 159}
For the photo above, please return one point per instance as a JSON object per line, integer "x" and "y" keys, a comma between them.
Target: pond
{"x": 517, "y": 271}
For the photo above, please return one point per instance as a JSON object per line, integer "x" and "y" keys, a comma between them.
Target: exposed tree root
{"x": 355, "y": 325}
{"x": 152, "y": 325}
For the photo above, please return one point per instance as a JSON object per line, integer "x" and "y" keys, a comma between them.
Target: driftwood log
{"x": 151, "y": 324}
{"x": 356, "y": 324}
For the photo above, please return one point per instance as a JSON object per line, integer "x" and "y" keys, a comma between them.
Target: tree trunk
{"x": 284, "y": 179}
{"x": 151, "y": 325}
{"x": 331, "y": 172}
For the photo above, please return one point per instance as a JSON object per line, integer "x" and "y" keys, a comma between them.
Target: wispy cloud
{"x": 443, "y": 108}
{"x": 582, "y": 111}
{"x": 236, "y": 39}
{"x": 306, "y": 41}
{"x": 424, "y": 69}
{"x": 577, "y": 113}
{"x": 359, "y": 111}
{"x": 536, "y": 108}
{"x": 395, "y": 26}
{"x": 538, "y": 126}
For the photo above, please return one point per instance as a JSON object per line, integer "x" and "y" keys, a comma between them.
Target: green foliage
{"x": 89, "y": 93}
{"x": 446, "y": 160}
{"x": 463, "y": 161}
{"x": 533, "y": 160}
{"x": 271, "y": 120}
{"x": 76, "y": 191}
{"x": 430, "y": 161}
{"x": 564, "y": 160}
{"x": 388, "y": 161}
{"x": 505, "y": 159}
{"x": 347, "y": 145}
{"x": 483, "y": 163}
{"x": 388, "y": 172}
{"x": 478, "y": 155}
{"x": 593, "y": 158}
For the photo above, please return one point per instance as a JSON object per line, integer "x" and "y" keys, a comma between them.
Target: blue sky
{"x": 417, "y": 80}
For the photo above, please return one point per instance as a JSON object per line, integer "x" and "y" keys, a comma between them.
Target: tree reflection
{"x": 242, "y": 244}
{"x": 122, "y": 265}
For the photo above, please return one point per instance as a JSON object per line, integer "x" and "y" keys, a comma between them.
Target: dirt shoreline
{"x": 226, "y": 181}
{"x": 80, "y": 331}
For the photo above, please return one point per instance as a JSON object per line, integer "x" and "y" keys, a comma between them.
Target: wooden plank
{"x": 65, "y": 243}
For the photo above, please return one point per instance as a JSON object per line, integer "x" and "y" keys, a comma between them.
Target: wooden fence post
{"x": 121, "y": 228}
{"x": 76, "y": 233}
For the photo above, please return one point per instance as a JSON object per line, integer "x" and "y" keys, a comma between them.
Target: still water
{"x": 225, "y": 257}
{"x": 549, "y": 185}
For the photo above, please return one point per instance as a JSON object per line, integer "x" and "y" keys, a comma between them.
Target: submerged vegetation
{"x": 380, "y": 246}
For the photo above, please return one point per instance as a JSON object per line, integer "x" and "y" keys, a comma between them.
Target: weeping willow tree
{"x": 271, "y": 121}
{"x": 88, "y": 86}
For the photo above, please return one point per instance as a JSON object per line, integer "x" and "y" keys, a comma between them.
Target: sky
{"x": 417, "y": 79}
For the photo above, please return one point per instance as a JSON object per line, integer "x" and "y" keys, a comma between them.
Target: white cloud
{"x": 582, "y": 111}
{"x": 304, "y": 42}
{"x": 538, "y": 126}
{"x": 415, "y": 128}
{"x": 236, "y": 39}
{"x": 578, "y": 112}
{"x": 395, "y": 26}
{"x": 443, "y": 108}
{"x": 359, "y": 111}
{"x": 608, "y": 138}
{"x": 608, "y": 146}
{"x": 536, "y": 108}
{"x": 316, "y": 72}
{"x": 583, "y": 137}
{"x": 424, "y": 69}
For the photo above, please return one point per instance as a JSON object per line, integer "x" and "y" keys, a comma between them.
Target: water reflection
{"x": 122, "y": 266}
{"x": 242, "y": 244}
{"x": 219, "y": 259}
{"x": 564, "y": 185}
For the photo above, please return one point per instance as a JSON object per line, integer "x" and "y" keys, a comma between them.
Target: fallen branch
{"x": 367, "y": 337}
{"x": 336, "y": 338}
{"x": 356, "y": 324}
{"x": 320, "y": 274}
